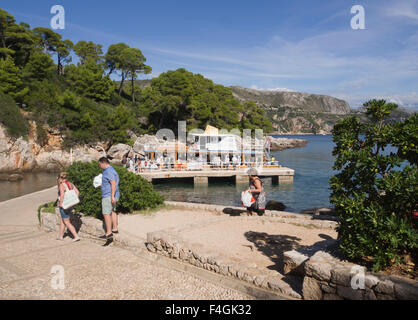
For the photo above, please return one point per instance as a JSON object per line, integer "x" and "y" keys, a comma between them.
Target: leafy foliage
{"x": 375, "y": 192}
{"x": 87, "y": 79}
{"x": 178, "y": 95}
{"x": 10, "y": 79}
{"x": 136, "y": 192}
{"x": 89, "y": 51}
{"x": 82, "y": 101}
{"x": 11, "y": 117}
{"x": 39, "y": 67}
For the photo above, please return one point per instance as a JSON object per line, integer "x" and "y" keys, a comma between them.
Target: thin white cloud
{"x": 404, "y": 9}
{"x": 272, "y": 89}
{"x": 408, "y": 100}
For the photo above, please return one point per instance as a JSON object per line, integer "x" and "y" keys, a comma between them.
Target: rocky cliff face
{"x": 19, "y": 155}
{"x": 297, "y": 100}
{"x": 296, "y": 112}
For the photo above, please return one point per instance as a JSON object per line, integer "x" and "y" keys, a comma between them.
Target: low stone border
{"x": 91, "y": 228}
{"x": 170, "y": 245}
{"x": 300, "y": 219}
{"x": 329, "y": 278}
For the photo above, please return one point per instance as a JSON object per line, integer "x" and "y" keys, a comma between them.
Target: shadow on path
{"x": 273, "y": 246}
{"x": 234, "y": 212}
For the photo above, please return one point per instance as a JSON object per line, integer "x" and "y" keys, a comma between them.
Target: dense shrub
{"x": 375, "y": 191}
{"x": 136, "y": 192}
{"x": 11, "y": 117}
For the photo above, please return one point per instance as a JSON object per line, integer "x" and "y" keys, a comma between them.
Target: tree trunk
{"x": 4, "y": 46}
{"x": 133, "y": 91}
{"x": 110, "y": 71}
{"x": 59, "y": 66}
{"x": 121, "y": 83}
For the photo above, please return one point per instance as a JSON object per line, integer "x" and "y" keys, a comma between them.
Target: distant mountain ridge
{"x": 306, "y": 101}
{"x": 294, "y": 112}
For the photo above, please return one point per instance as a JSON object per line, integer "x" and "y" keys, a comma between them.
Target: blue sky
{"x": 299, "y": 45}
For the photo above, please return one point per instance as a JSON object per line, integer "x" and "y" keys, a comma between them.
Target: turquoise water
{"x": 31, "y": 182}
{"x": 313, "y": 168}
{"x": 310, "y": 188}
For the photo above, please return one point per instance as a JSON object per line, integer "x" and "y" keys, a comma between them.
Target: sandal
{"x": 106, "y": 236}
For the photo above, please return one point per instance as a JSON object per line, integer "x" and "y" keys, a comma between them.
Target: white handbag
{"x": 70, "y": 198}
{"x": 247, "y": 199}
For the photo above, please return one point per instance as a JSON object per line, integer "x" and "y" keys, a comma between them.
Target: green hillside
{"x": 86, "y": 105}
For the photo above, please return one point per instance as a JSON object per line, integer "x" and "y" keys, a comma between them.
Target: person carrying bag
{"x": 67, "y": 198}
{"x": 257, "y": 191}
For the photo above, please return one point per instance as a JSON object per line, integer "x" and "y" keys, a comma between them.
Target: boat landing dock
{"x": 278, "y": 175}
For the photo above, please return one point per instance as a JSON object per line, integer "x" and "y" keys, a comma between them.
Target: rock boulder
{"x": 274, "y": 205}
{"x": 118, "y": 151}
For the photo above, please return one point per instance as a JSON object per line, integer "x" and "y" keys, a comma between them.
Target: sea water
{"x": 310, "y": 188}
{"x": 31, "y": 182}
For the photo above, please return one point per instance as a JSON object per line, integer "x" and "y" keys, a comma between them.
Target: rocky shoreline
{"x": 27, "y": 155}
{"x": 278, "y": 144}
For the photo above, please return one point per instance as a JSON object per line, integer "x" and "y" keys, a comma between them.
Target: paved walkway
{"x": 91, "y": 271}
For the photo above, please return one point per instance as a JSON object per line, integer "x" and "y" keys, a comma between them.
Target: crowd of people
{"x": 141, "y": 164}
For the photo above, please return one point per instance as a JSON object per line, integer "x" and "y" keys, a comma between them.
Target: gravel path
{"x": 90, "y": 270}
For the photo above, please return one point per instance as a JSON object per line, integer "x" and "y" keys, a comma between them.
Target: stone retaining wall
{"x": 171, "y": 245}
{"x": 329, "y": 278}
{"x": 300, "y": 219}
{"x": 91, "y": 228}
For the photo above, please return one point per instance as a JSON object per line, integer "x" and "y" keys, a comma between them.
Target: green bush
{"x": 10, "y": 116}
{"x": 375, "y": 191}
{"x": 136, "y": 192}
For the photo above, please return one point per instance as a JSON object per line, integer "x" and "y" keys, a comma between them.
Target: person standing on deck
{"x": 110, "y": 196}
{"x": 124, "y": 161}
{"x": 257, "y": 190}
{"x": 131, "y": 165}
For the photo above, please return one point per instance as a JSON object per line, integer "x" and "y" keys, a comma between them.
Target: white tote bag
{"x": 70, "y": 198}
{"x": 247, "y": 199}
{"x": 97, "y": 181}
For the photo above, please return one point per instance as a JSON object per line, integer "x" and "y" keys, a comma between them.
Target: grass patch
{"x": 149, "y": 211}
{"x": 47, "y": 207}
{"x": 307, "y": 226}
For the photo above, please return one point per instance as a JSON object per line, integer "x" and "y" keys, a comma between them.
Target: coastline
{"x": 297, "y": 134}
